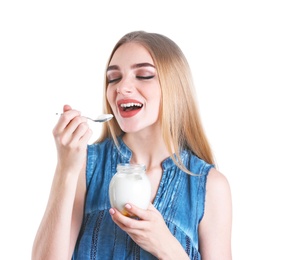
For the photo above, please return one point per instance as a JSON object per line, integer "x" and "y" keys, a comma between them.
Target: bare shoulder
{"x": 215, "y": 227}
{"x": 217, "y": 183}
{"x": 218, "y": 194}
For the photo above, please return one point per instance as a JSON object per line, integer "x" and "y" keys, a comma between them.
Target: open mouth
{"x": 130, "y": 106}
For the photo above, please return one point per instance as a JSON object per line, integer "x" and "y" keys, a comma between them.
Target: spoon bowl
{"x": 102, "y": 118}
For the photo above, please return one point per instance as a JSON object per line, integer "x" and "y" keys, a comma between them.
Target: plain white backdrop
{"x": 54, "y": 53}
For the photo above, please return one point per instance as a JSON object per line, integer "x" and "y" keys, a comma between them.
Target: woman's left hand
{"x": 149, "y": 231}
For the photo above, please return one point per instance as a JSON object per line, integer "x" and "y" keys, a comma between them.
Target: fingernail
{"x": 128, "y": 206}
{"x": 111, "y": 211}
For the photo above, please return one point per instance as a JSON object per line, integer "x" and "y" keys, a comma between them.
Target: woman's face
{"x": 133, "y": 90}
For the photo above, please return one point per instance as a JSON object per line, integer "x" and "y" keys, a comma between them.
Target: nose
{"x": 124, "y": 87}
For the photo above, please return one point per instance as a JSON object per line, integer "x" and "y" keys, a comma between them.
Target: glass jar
{"x": 130, "y": 184}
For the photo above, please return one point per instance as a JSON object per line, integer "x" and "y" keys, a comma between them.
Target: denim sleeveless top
{"x": 180, "y": 199}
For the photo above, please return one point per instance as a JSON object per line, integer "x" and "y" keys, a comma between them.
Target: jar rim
{"x": 133, "y": 166}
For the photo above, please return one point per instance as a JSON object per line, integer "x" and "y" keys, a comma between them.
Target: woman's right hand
{"x": 71, "y": 135}
{"x": 60, "y": 226}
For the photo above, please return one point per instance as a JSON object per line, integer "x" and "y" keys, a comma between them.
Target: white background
{"x": 54, "y": 52}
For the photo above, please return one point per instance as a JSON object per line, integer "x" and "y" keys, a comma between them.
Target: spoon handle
{"x": 100, "y": 119}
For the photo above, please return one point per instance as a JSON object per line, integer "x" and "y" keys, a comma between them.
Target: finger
{"x": 86, "y": 137}
{"x": 136, "y": 211}
{"x": 81, "y": 133}
{"x": 152, "y": 207}
{"x": 64, "y": 120}
{"x": 123, "y": 221}
{"x": 72, "y": 132}
{"x": 66, "y": 108}
{"x": 68, "y": 115}
{"x": 72, "y": 120}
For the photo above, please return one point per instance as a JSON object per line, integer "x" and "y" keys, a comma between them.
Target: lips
{"x": 129, "y": 107}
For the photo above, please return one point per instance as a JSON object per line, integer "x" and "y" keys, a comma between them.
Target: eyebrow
{"x": 135, "y": 66}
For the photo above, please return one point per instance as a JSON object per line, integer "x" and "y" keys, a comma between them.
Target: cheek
{"x": 110, "y": 96}
{"x": 154, "y": 96}
{"x": 157, "y": 102}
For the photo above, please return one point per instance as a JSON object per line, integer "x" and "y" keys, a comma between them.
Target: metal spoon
{"x": 102, "y": 118}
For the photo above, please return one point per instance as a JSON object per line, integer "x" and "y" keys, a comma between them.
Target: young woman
{"x": 149, "y": 91}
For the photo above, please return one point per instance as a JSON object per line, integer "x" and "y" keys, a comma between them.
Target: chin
{"x": 131, "y": 127}
{"x": 135, "y": 125}
{"x": 130, "y": 130}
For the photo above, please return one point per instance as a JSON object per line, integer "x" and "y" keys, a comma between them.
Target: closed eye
{"x": 113, "y": 80}
{"x": 145, "y": 78}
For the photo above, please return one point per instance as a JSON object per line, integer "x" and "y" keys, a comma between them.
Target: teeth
{"x": 131, "y": 105}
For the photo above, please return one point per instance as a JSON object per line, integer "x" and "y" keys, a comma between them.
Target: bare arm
{"x": 59, "y": 228}
{"x": 215, "y": 227}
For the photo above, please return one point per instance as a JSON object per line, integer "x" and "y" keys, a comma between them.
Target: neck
{"x": 147, "y": 148}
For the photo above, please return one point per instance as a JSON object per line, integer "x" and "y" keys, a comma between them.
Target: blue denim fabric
{"x": 180, "y": 199}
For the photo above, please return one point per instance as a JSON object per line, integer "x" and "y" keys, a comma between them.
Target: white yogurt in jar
{"x": 130, "y": 185}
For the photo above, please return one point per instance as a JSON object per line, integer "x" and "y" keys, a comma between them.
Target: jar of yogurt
{"x": 130, "y": 184}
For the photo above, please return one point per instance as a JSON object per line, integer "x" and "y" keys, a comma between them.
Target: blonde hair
{"x": 180, "y": 120}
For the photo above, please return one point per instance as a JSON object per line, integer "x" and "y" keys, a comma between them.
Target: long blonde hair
{"x": 180, "y": 120}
